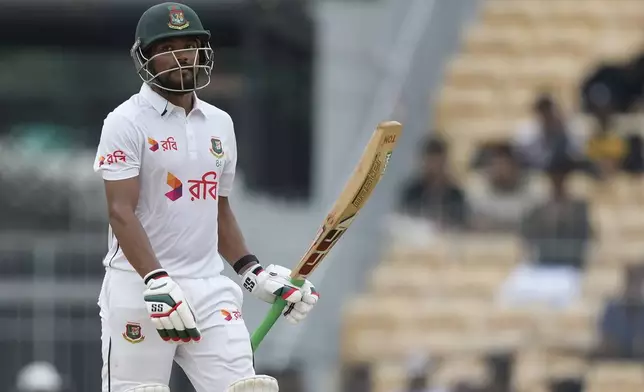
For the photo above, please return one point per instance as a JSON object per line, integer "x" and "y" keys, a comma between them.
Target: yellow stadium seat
{"x": 617, "y": 44}
{"x": 388, "y": 376}
{"x": 436, "y": 252}
{"x": 475, "y": 71}
{"x": 615, "y": 376}
{"x": 571, "y": 42}
{"x": 444, "y": 317}
{"x": 574, "y": 328}
{"x": 529, "y": 369}
{"x": 402, "y": 280}
{"x": 455, "y": 369}
{"x": 512, "y": 13}
{"x": 566, "y": 366}
{"x": 566, "y": 13}
{"x": 519, "y": 323}
{"x": 486, "y": 40}
{"x": 536, "y": 387}
{"x": 371, "y": 346}
{"x": 602, "y": 281}
{"x": 480, "y": 131}
{"x": 474, "y": 281}
{"x": 631, "y": 222}
{"x": 546, "y": 73}
{"x": 490, "y": 249}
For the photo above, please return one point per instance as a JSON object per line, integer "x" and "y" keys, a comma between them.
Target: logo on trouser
{"x": 133, "y": 333}
{"x": 230, "y": 315}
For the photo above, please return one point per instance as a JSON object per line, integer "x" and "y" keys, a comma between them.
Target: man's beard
{"x": 166, "y": 80}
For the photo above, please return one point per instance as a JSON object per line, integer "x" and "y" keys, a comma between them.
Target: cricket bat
{"x": 356, "y": 192}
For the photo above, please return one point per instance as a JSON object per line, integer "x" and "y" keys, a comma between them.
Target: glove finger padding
{"x": 165, "y": 335}
{"x": 189, "y": 322}
{"x": 259, "y": 383}
{"x": 309, "y": 294}
{"x": 169, "y": 310}
{"x": 298, "y": 311}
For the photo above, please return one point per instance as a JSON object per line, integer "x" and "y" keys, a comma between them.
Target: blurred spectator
{"x": 605, "y": 149}
{"x": 501, "y": 368}
{"x": 566, "y": 385}
{"x": 419, "y": 369}
{"x": 505, "y": 195}
{"x": 615, "y": 84}
{"x": 634, "y": 159}
{"x": 434, "y": 194}
{"x": 555, "y": 234}
{"x": 39, "y": 377}
{"x": 356, "y": 378}
{"x": 622, "y": 324}
{"x": 547, "y": 135}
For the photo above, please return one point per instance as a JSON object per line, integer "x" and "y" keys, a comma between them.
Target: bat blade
{"x": 357, "y": 190}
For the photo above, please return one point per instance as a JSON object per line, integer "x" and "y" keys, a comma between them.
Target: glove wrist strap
{"x": 156, "y": 274}
{"x": 244, "y": 263}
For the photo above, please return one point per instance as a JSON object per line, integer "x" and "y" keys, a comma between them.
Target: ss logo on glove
{"x": 157, "y": 308}
{"x": 249, "y": 284}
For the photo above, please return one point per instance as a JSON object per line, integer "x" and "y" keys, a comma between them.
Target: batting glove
{"x": 275, "y": 281}
{"x": 168, "y": 309}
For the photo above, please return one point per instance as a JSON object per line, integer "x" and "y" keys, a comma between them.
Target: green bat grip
{"x": 271, "y": 318}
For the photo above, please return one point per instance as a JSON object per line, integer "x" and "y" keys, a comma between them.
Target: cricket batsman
{"x": 168, "y": 162}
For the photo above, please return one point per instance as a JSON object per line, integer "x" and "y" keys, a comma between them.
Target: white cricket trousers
{"x": 134, "y": 354}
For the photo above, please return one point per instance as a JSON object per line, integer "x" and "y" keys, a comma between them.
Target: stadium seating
{"x": 439, "y": 299}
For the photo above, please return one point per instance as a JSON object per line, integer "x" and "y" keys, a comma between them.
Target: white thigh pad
{"x": 149, "y": 388}
{"x": 259, "y": 383}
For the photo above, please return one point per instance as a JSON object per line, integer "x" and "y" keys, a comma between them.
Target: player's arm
{"x": 265, "y": 284}
{"x": 118, "y": 160}
{"x": 122, "y": 198}
{"x": 232, "y": 246}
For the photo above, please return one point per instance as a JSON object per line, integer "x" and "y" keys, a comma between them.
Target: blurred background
{"x": 503, "y": 252}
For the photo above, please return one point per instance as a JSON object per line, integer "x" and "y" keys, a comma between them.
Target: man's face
{"x": 502, "y": 171}
{"x": 434, "y": 164}
{"x": 177, "y": 52}
{"x": 547, "y": 115}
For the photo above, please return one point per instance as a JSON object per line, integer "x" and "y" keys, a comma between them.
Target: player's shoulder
{"x": 213, "y": 112}
{"x": 129, "y": 113}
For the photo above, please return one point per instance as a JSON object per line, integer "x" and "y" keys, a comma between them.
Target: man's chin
{"x": 188, "y": 85}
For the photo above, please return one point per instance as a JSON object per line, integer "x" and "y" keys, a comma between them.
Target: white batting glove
{"x": 258, "y": 383}
{"x": 275, "y": 281}
{"x": 168, "y": 309}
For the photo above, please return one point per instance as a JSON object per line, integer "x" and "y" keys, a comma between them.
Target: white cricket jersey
{"x": 185, "y": 164}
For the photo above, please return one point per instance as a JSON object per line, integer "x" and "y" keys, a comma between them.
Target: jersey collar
{"x": 161, "y": 105}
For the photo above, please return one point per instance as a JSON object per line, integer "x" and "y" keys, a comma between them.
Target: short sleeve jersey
{"x": 184, "y": 163}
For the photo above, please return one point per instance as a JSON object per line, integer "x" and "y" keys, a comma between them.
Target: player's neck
{"x": 185, "y": 101}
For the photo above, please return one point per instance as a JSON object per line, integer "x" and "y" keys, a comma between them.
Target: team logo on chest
{"x": 133, "y": 333}
{"x": 177, "y": 18}
{"x": 216, "y": 147}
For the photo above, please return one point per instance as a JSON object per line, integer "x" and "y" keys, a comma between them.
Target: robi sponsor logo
{"x": 204, "y": 188}
{"x": 116, "y": 156}
{"x": 230, "y": 315}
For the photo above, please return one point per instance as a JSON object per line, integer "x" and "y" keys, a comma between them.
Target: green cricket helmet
{"x": 170, "y": 20}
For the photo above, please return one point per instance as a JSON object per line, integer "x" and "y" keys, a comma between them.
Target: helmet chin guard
{"x": 201, "y": 68}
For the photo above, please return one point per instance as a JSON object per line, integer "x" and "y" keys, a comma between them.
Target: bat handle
{"x": 271, "y": 318}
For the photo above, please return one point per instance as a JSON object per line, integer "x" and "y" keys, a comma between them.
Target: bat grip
{"x": 271, "y": 318}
